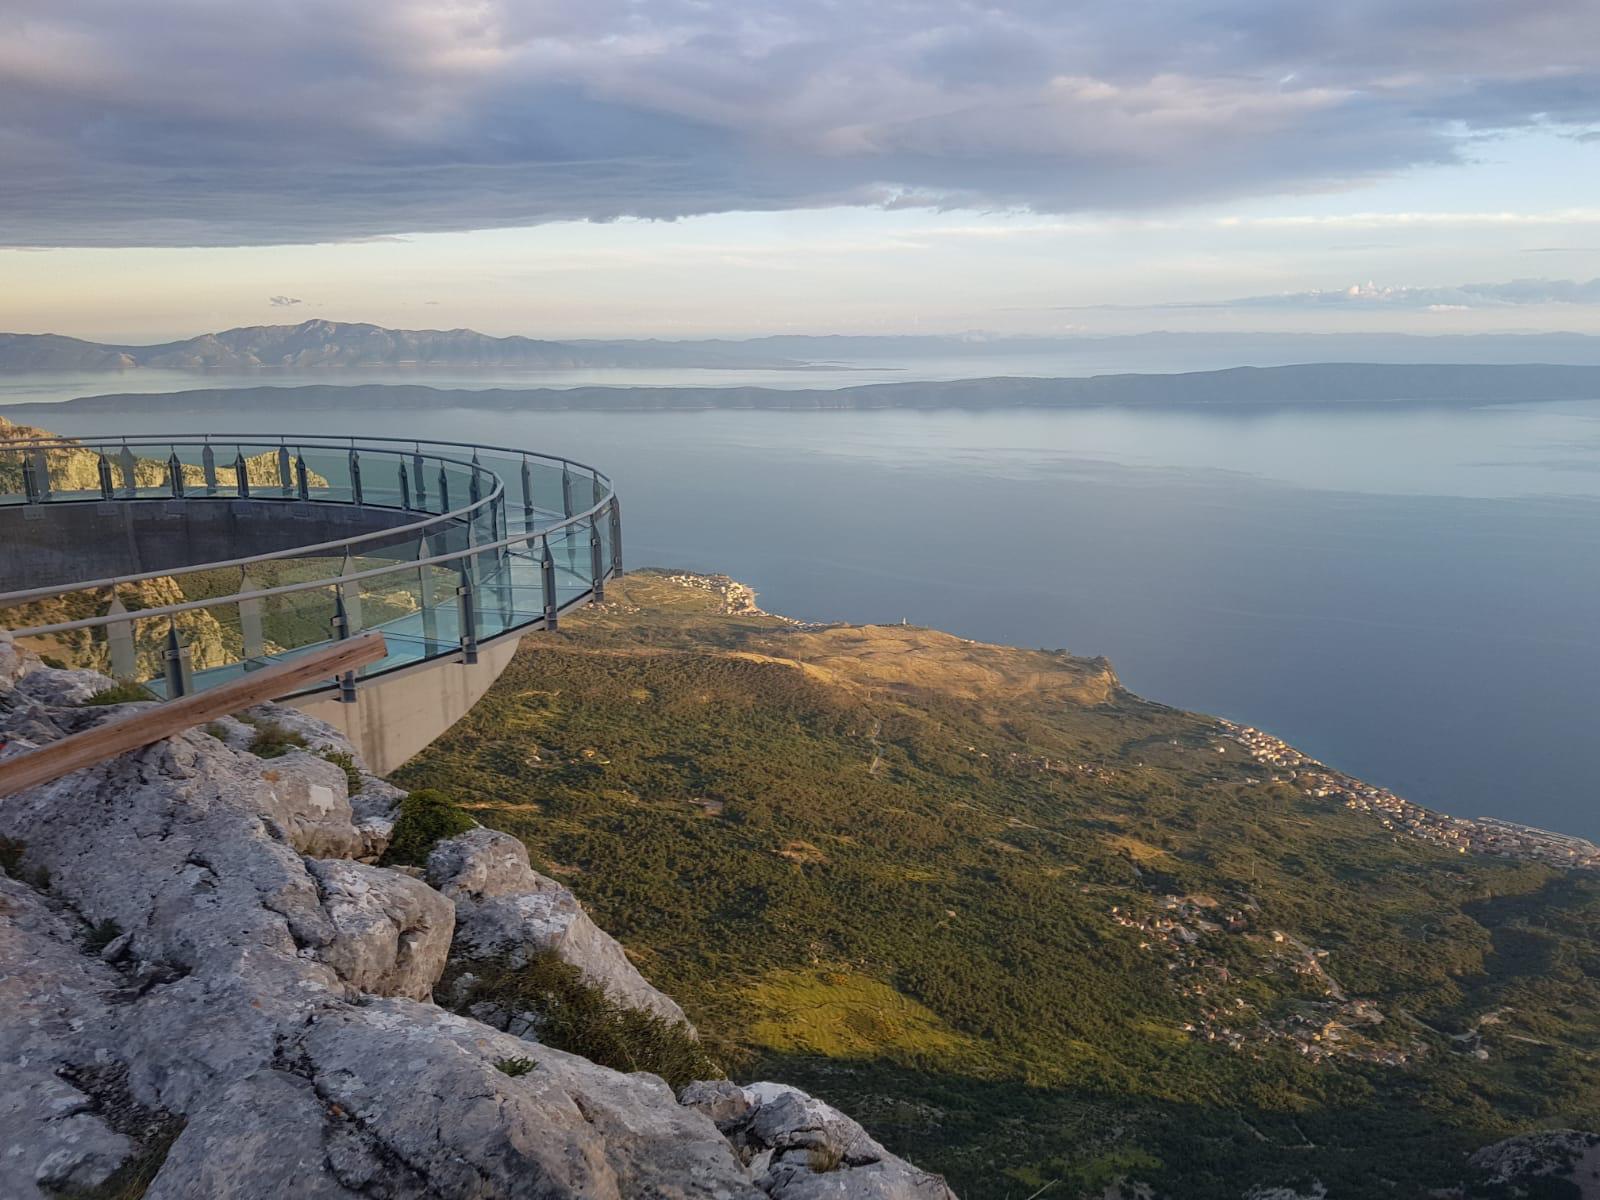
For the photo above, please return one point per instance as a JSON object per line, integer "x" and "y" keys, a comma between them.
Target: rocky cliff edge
{"x": 209, "y": 988}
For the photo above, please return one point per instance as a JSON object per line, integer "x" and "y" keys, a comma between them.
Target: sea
{"x": 1410, "y": 594}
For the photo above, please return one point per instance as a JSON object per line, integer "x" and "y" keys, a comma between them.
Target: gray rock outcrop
{"x": 800, "y": 1148}
{"x": 507, "y": 910}
{"x": 1569, "y": 1155}
{"x": 195, "y": 970}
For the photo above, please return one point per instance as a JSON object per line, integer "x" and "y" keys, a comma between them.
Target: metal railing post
{"x": 597, "y": 567}
{"x": 547, "y": 566}
{"x": 355, "y": 477}
{"x": 176, "y": 665}
{"x": 425, "y": 600}
{"x": 175, "y": 475}
{"x": 130, "y": 471}
{"x": 527, "y": 494}
{"x": 444, "y": 490}
{"x": 422, "y": 479}
{"x": 302, "y": 477}
{"x": 616, "y": 537}
{"x": 352, "y": 602}
{"x": 251, "y": 630}
{"x": 41, "y": 467}
{"x": 119, "y": 641}
{"x": 30, "y": 480}
{"x": 405, "y": 487}
{"x": 475, "y": 485}
{"x": 108, "y": 487}
{"x": 466, "y": 601}
{"x": 208, "y": 467}
{"x": 566, "y": 490}
{"x": 341, "y": 630}
{"x": 285, "y": 471}
{"x": 241, "y": 476}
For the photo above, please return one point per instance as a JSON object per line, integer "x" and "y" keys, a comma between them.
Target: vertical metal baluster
{"x": 405, "y": 487}
{"x": 599, "y": 492}
{"x": 130, "y": 471}
{"x": 302, "y": 477}
{"x": 616, "y": 537}
{"x": 566, "y": 490}
{"x": 444, "y": 490}
{"x": 251, "y": 630}
{"x": 597, "y": 568}
{"x": 342, "y": 630}
{"x": 548, "y": 573}
{"x": 422, "y": 479}
{"x": 527, "y": 495}
{"x": 475, "y": 488}
{"x": 430, "y": 619}
{"x": 175, "y": 658}
{"x": 241, "y": 475}
{"x": 41, "y": 466}
{"x": 355, "y": 476}
{"x": 352, "y": 594}
{"x": 119, "y": 641}
{"x": 285, "y": 472}
{"x": 208, "y": 465}
{"x": 108, "y": 487}
{"x": 503, "y": 579}
{"x": 30, "y": 481}
{"x": 466, "y": 601}
{"x": 175, "y": 475}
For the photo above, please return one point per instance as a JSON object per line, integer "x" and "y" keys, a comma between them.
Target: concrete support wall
{"x": 394, "y": 717}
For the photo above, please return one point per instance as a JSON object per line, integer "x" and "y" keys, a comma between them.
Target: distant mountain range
{"x": 1313, "y": 384}
{"x": 314, "y": 344}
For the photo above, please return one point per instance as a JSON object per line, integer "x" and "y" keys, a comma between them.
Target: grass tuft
{"x": 124, "y": 691}
{"x": 514, "y": 1066}
{"x": 578, "y": 1017}
{"x": 274, "y": 741}
{"x": 347, "y": 763}
{"x": 426, "y": 818}
{"x": 101, "y": 935}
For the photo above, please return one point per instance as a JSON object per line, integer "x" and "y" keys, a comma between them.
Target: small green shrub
{"x": 215, "y": 729}
{"x": 101, "y": 935}
{"x": 274, "y": 741}
{"x": 514, "y": 1066}
{"x": 426, "y": 818}
{"x": 580, "y": 1018}
{"x": 347, "y": 763}
{"x": 124, "y": 691}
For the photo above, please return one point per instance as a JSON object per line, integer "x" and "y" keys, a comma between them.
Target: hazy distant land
{"x": 1308, "y": 385}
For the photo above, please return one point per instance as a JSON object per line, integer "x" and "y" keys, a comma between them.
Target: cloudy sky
{"x": 693, "y": 167}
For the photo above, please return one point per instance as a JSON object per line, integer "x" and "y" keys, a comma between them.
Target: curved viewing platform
{"x": 182, "y": 562}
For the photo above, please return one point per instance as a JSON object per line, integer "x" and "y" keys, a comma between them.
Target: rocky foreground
{"x": 207, "y": 988}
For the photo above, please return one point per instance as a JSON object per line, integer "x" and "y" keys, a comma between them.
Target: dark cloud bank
{"x": 174, "y": 123}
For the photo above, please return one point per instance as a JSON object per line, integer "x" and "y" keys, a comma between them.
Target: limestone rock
{"x": 261, "y": 996}
{"x": 506, "y": 908}
{"x": 391, "y": 933}
{"x": 307, "y": 797}
{"x": 800, "y": 1148}
{"x": 49, "y": 685}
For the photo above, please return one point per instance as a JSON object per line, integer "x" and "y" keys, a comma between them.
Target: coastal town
{"x": 1479, "y": 835}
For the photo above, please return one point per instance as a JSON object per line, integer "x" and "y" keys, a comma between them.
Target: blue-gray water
{"x": 1410, "y": 595}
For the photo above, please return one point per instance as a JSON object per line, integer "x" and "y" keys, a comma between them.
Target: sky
{"x": 687, "y": 168}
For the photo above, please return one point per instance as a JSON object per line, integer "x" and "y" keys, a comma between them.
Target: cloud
{"x": 1510, "y": 294}
{"x": 175, "y": 123}
{"x": 283, "y": 301}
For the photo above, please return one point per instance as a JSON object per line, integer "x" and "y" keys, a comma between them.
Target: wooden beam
{"x": 92, "y": 746}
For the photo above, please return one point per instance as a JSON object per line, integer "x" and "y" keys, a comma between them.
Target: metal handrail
{"x": 525, "y": 539}
{"x": 8, "y": 599}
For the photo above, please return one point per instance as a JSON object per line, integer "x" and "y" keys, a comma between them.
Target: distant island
{"x": 1305, "y": 385}
{"x": 335, "y": 344}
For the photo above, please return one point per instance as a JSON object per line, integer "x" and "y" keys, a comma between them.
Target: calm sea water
{"x": 1409, "y": 595}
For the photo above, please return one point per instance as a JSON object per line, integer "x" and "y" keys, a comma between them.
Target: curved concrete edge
{"x": 395, "y": 716}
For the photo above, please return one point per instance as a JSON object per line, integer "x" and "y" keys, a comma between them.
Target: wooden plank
{"x": 92, "y": 746}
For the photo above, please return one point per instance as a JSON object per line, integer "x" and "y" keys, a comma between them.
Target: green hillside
{"x": 1026, "y": 926}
